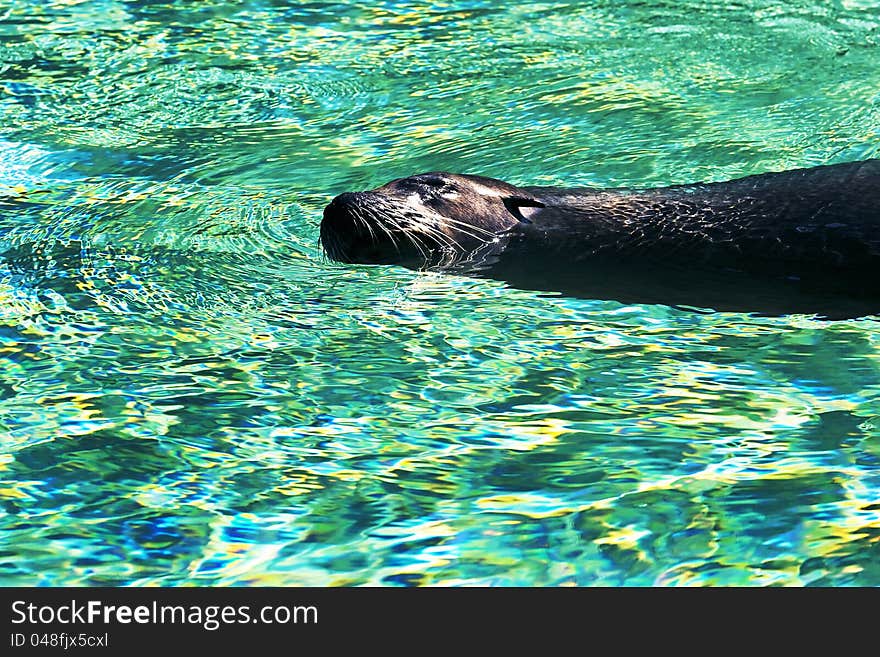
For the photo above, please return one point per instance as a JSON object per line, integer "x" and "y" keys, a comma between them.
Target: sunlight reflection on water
{"x": 192, "y": 394}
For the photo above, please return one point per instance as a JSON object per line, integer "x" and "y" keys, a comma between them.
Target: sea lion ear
{"x": 515, "y": 204}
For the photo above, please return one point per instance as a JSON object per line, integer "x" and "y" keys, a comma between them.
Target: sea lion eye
{"x": 425, "y": 185}
{"x": 433, "y": 181}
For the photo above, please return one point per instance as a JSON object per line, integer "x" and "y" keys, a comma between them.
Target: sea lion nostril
{"x": 345, "y": 207}
{"x": 346, "y": 199}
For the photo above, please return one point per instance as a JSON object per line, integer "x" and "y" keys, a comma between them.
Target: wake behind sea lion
{"x": 801, "y": 241}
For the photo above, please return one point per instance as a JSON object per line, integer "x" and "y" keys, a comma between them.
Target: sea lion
{"x": 802, "y": 241}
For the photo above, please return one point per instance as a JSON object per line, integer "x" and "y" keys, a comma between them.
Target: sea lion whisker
{"x": 412, "y": 235}
{"x": 478, "y": 229}
{"x": 374, "y": 220}
{"x": 366, "y": 224}
{"x": 381, "y": 224}
{"x": 391, "y": 236}
{"x": 420, "y": 231}
{"x": 449, "y": 241}
{"x": 469, "y": 230}
{"x": 414, "y": 240}
{"x": 441, "y": 239}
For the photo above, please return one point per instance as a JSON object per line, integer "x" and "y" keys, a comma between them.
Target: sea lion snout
{"x": 342, "y": 228}
{"x": 371, "y": 227}
{"x": 345, "y": 205}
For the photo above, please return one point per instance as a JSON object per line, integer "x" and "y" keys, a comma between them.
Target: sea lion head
{"x": 434, "y": 219}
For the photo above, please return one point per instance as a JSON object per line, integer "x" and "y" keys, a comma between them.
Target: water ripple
{"x": 191, "y": 394}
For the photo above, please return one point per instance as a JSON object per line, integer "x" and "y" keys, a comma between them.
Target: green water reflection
{"x": 191, "y": 394}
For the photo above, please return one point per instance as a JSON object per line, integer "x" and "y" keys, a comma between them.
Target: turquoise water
{"x": 190, "y": 393}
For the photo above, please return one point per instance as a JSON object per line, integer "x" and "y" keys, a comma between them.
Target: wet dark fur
{"x": 806, "y": 240}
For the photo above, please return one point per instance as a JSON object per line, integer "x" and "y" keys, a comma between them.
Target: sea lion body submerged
{"x": 806, "y": 240}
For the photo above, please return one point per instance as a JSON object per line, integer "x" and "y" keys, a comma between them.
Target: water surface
{"x": 191, "y": 394}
